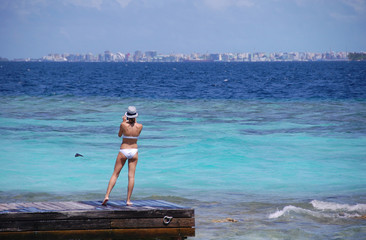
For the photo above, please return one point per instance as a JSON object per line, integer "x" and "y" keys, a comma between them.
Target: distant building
{"x": 128, "y": 58}
{"x": 120, "y": 57}
{"x": 89, "y": 57}
{"x": 215, "y": 57}
{"x": 137, "y": 57}
{"x": 108, "y": 56}
{"x": 225, "y": 57}
{"x": 100, "y": 58}
{"x": 150, "y": 55}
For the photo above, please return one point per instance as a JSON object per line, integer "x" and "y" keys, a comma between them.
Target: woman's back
{"x": 129, "y": 131}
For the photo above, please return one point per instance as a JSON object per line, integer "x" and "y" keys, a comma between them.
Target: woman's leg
{"x": 120, "y": 162}
{"x": 131, "y": 177}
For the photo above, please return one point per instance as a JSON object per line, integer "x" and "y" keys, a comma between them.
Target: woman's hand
{"x": 124, "y": 118}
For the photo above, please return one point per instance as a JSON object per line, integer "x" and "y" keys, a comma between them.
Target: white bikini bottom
{"x": 129, "y": 153}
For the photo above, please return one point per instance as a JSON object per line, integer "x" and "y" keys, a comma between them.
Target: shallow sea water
{"x": 283, "y": 168}
{"x": 263, "y": 167}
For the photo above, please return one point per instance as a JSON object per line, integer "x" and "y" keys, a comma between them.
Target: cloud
{"x": 221, "y": 4}
{"x": 359, "y": 6}
{"x": 123, "y": 3}
{"x": 85, "y": 3}
{"x": 97, "y": 4}
{"x": 22, "y": 8}
{"x": 350, "y": 10}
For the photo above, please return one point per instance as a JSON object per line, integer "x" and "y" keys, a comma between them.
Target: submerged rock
{"x": 225, "y": 220}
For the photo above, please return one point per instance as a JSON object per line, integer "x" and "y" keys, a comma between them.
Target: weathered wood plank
{"x": 85, "y": 205}
{"x": 45, "y": 206}
{"x": 152, "y": 223}
{"x": 7, "y": 206}
{"x": 51, "y": 206}
{"x": 73, "y": 215}
{"x": 44, "y": 225}
{"x": 71, "y": 210}
{"x": 102, "y": 234}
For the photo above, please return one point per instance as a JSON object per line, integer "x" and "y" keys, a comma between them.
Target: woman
{"x": 129, "y": 130}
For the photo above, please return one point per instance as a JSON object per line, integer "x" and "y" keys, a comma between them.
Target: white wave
{"x": 320, "y": 205}
{"x": 289, "y": 209}
{"x": 280, "y": 213}
{"x": 297, "y": 210}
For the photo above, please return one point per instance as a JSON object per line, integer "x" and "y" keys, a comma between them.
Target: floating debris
{"x": 225, "y": 220}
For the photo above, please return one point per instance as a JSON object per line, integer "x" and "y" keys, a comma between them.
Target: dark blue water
{"x": 289, "y": 80}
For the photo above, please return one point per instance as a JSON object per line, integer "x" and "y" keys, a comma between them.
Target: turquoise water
{"x": 261, "y": 162}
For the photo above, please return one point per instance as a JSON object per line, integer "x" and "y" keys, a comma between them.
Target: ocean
{"x": 278, "y": 147}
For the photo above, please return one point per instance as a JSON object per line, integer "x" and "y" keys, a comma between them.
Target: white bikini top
{"x": 129, "y": 137}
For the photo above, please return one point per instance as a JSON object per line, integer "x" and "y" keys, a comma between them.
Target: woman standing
{"x": 129, "y": 130}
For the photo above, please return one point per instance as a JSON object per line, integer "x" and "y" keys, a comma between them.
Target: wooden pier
{"x": 146, "y": 219}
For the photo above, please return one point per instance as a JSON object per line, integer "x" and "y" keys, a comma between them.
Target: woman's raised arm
{"x": 120, "y": 127}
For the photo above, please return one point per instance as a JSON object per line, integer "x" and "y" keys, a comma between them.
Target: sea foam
{"x": 320, "y": 205}
{"x": 323, "y": 210}
{"x": 285, "y": 210}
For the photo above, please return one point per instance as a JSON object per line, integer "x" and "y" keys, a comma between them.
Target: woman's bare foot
{"x": 129, "y": 203}
{"x": 104, "y": 203}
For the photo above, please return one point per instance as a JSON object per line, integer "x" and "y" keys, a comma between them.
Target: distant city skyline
{"x": 34, "y": 28}
{"x": 138, "y": 54}
{"x": 154, "y": 56}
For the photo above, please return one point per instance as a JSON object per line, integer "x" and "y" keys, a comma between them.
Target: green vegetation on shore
{"x": 357, "y": 56}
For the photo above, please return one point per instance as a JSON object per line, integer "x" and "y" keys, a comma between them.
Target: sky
{"x": 35, "y": 28}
